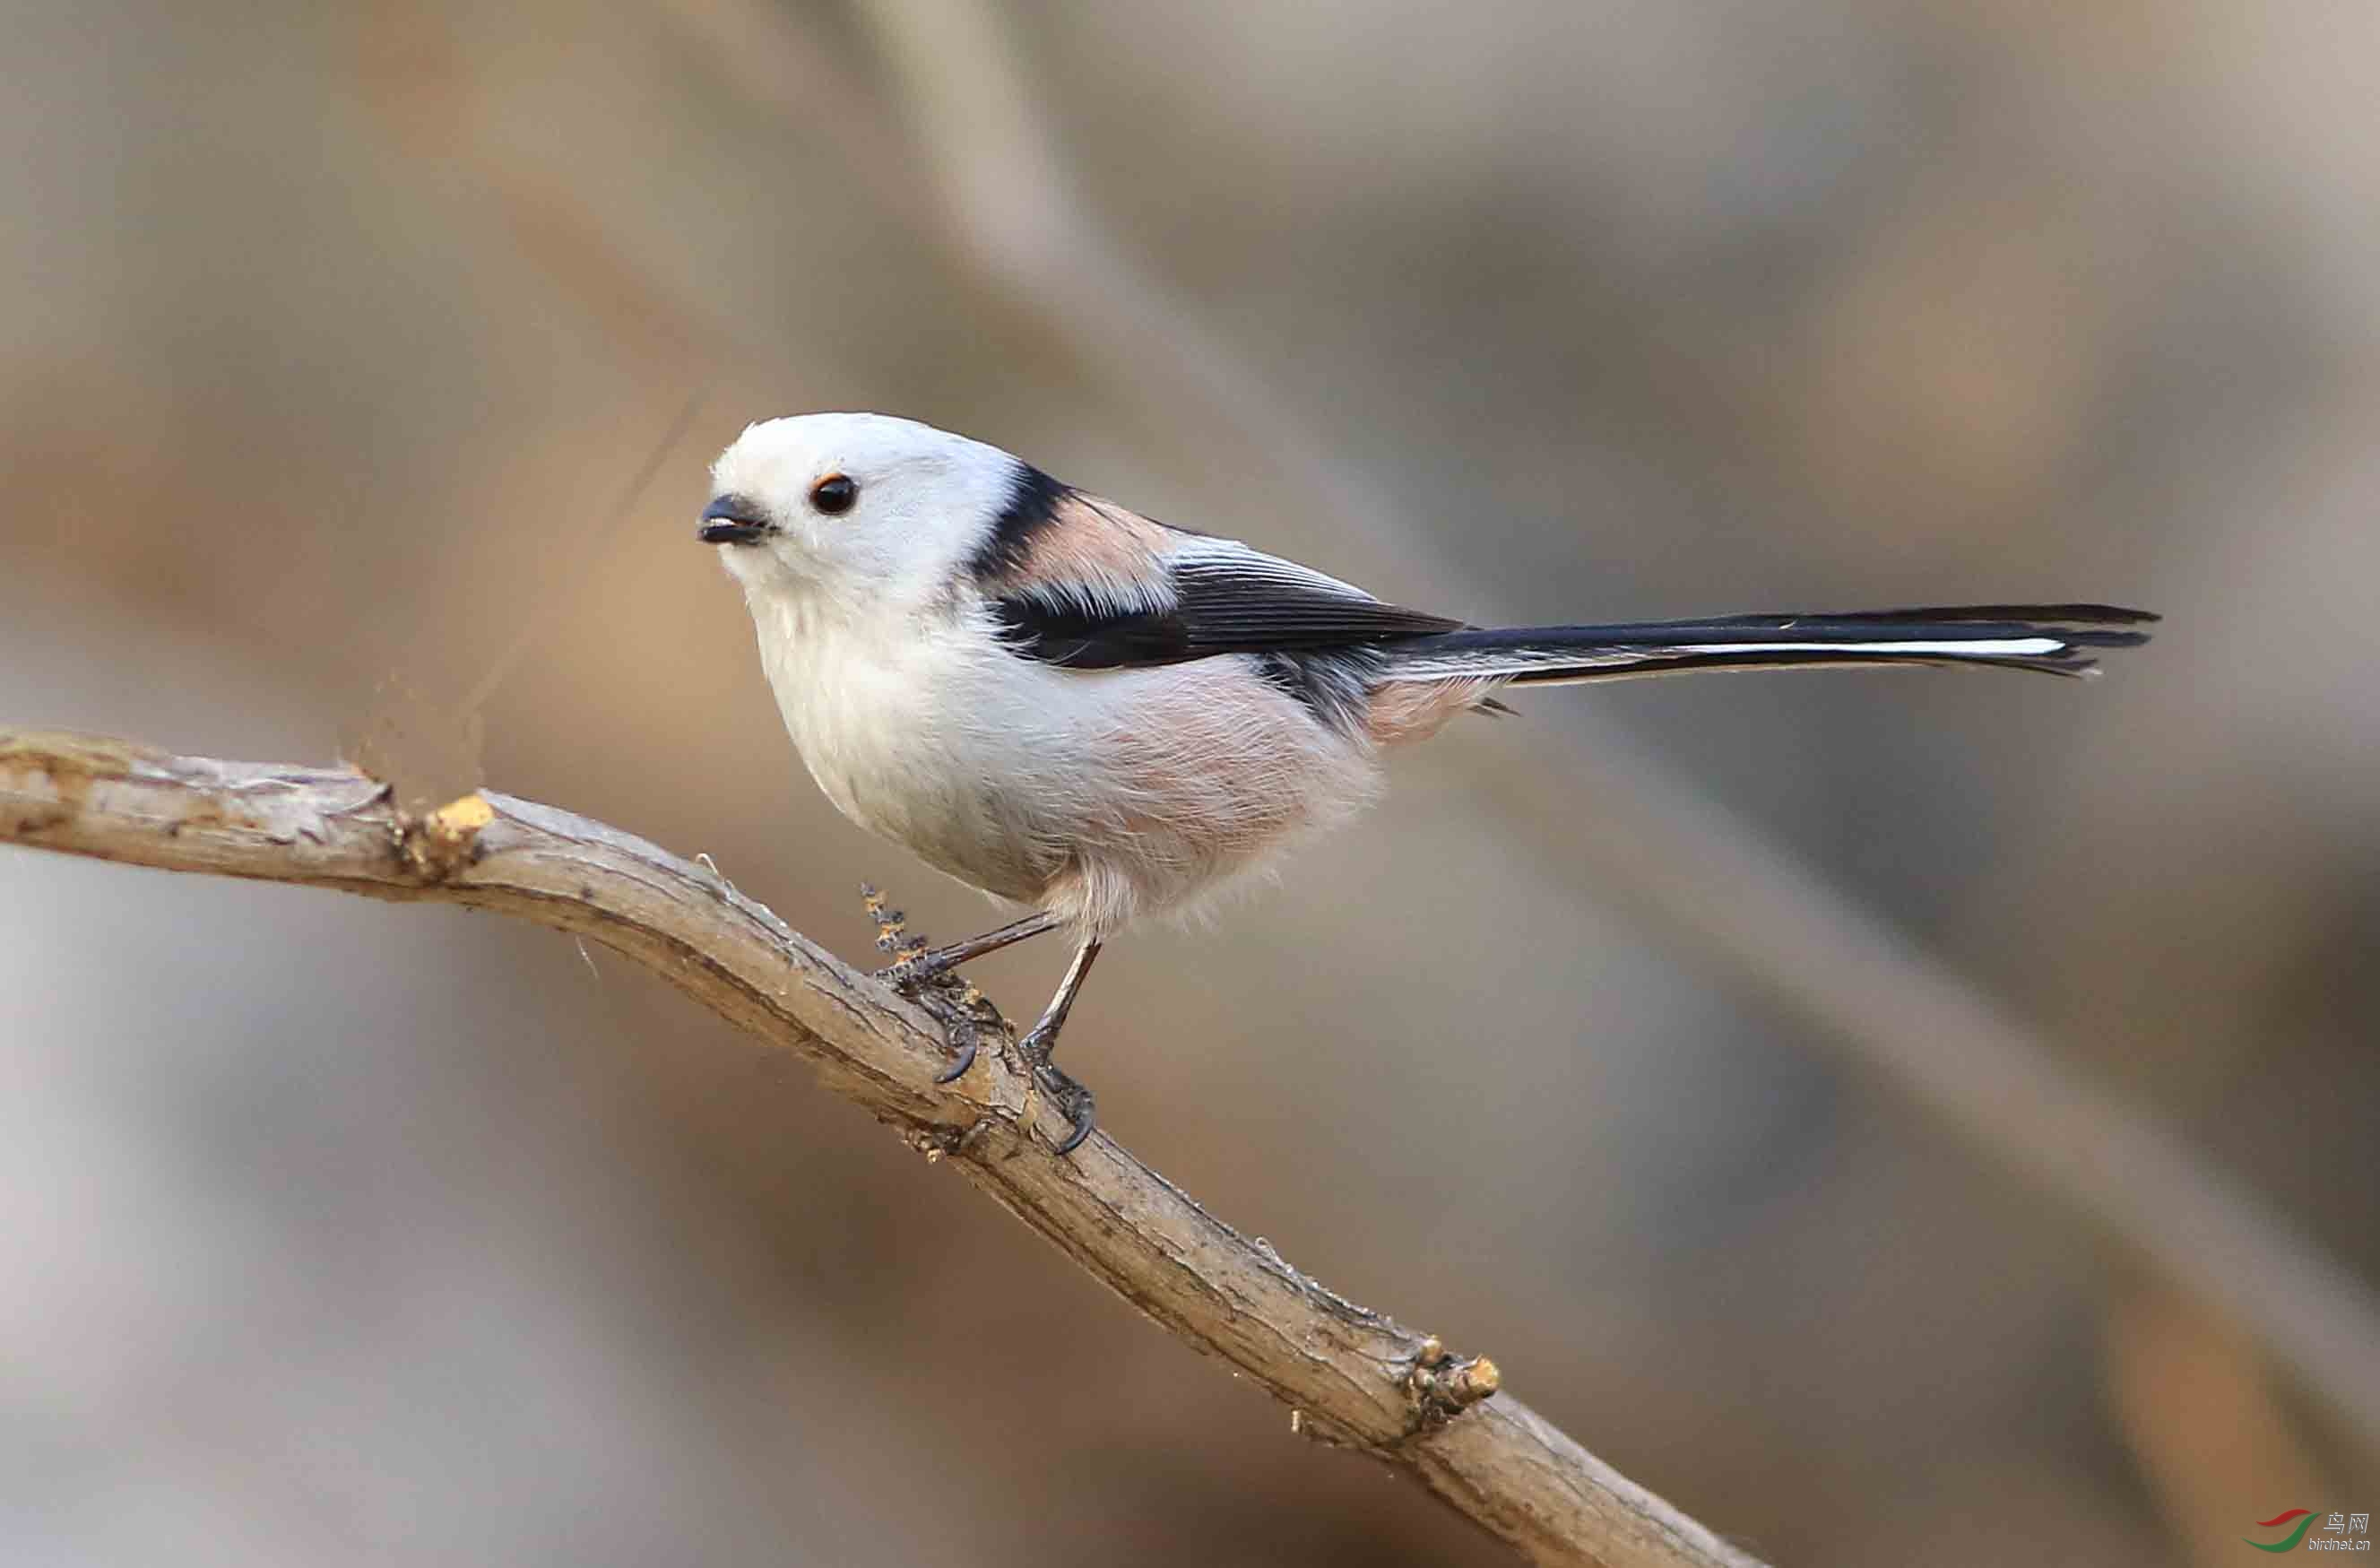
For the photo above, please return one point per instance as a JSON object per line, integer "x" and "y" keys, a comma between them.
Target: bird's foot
{"x": 930, "y": 977}
{"x": 926, "y": 975}
{"x": 908, "y": 975}
{"x": 927, "y": 978}
{"x": 963, "y": 1038}
{"x": 1071, "y": 1096}
{"x": 909, "y": 968}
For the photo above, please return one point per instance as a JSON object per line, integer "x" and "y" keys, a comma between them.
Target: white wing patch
{"x": 2021, "y": 646}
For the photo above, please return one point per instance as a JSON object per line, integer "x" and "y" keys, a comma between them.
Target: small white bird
{"x": 1076, "y": 708}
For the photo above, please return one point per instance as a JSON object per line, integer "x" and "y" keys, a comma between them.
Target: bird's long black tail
{"x": 2056, "y": 638}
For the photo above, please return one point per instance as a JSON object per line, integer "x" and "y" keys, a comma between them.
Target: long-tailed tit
{"x": 1088, "y": 712}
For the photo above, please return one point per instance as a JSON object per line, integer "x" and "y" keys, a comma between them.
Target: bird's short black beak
{"x": 734, "y": 519}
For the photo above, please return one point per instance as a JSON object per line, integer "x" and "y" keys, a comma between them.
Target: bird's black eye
{"x": 833, "y": 494}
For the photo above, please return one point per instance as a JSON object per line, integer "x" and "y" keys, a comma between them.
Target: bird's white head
{"x": 862, "y": 508}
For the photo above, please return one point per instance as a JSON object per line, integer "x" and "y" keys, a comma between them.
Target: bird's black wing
{"x": 1213, "y": 596}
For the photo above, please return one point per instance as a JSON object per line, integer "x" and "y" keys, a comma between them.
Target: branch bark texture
{"x": 1351, "y": 1377}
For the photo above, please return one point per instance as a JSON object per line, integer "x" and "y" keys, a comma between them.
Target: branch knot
{"x": 436, "y": 847}
{"x": 1443, "y": 1386}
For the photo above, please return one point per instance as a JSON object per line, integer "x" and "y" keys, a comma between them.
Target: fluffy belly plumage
{"x": 1098, "y": 795}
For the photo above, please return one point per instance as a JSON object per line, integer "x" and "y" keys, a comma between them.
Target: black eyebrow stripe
{"x": 1032, "y": 507}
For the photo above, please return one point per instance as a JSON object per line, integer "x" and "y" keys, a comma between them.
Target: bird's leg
{"x": 920, "y": 966}
{"x": 917, "y": 969}
{"x": 925, "y": 974}
{"x": 1042, "y": 1039}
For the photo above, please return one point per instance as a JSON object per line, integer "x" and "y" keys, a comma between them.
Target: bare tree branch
{"x": 1351, "y": 1377}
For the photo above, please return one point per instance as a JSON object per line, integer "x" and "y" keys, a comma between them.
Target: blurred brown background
{"x": 340, "y": 1233}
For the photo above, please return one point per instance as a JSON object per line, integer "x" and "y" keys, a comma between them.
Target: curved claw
{"x": 1081, "y": 1108}
{"x": 1086, "y": 1117}
{"x": 958, "y": 1069}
